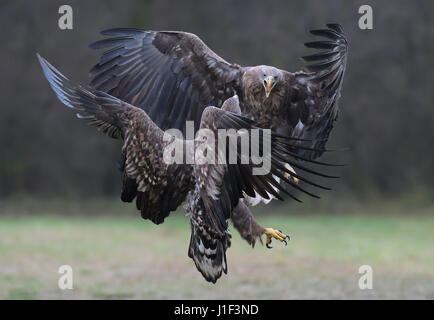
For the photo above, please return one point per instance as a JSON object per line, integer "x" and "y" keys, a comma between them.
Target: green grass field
{"x": 128, "y": 258}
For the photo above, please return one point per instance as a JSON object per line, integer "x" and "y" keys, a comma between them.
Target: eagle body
{"x": 149, "y": 81}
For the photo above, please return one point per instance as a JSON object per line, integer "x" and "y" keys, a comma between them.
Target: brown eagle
{"x": 152, "y": 81}
{"x": 174, "y": 76}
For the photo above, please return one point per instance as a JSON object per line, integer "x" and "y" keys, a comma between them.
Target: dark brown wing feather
{"x": 313, "y": 98}
{"x": 159, "y": 188}
{"x": 222, "y": 185}
{"x": 173, "y": 76}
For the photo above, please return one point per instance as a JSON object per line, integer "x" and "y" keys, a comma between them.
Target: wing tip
{"x": 330, "y": 61}
{"x": 336, "y": 26}
{"x": 114, "y": 32}
{"x": 57, "y": 81}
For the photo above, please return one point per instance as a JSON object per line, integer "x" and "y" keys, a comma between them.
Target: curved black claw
{"x": 268, "y": 245}
{"x": 284, "y": 240}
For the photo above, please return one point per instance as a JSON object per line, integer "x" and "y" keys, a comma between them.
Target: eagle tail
{"x": 208, "y": 251}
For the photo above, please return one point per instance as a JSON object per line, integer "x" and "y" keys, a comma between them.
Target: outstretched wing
{"x": 222, "y": 185}
{"x": 159, "y": 188}
{"x": 173, "y": 76}
{"x": 313, "y": 100}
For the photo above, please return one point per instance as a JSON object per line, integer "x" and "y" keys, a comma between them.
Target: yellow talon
{"x": 276, "y": 234}
{"x": 288, "y": 176}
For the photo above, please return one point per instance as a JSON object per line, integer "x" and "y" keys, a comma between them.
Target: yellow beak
{"x": 269, "y": 81}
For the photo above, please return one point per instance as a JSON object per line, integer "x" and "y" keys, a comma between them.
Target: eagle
{"x": 149, "y": 82}
{"x": 174, "y": 76}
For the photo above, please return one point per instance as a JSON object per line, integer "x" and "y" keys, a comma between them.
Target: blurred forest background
{"x": 387, "y": 114}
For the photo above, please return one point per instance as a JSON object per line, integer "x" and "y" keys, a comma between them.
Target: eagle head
{"x": 263, "y": 79}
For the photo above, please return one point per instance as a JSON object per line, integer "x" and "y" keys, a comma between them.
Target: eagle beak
{"x": 268, "y": 85}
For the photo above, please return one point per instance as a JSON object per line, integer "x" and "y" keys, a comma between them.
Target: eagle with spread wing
{"x": 174, "y": 76}
{"x": 149, "y": 81}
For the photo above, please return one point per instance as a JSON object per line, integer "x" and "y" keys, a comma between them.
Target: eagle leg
{"x": 243, "y": 220}
{"x": 276, "y": 234}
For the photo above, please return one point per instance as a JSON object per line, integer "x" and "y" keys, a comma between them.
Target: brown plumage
{"x": 212, "y": 190}
{"x": 174, "y": 76}
{"x": 151, "y": 81}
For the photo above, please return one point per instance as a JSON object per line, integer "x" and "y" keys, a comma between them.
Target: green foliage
{"x": 126, "y": 257}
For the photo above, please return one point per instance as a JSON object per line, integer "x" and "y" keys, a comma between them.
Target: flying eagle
{"x": 174, "y": 76}
{"x": 152, "y": 81}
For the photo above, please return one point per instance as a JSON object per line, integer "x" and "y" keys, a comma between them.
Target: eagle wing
{"x": 313, "y": 96}
{"x": 159, "y": 188}
{"x": 223, "y": 185}
{"x": 173, "y": 76}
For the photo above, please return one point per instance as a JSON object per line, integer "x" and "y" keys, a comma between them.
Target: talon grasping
{"x": 277, "y": 234}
